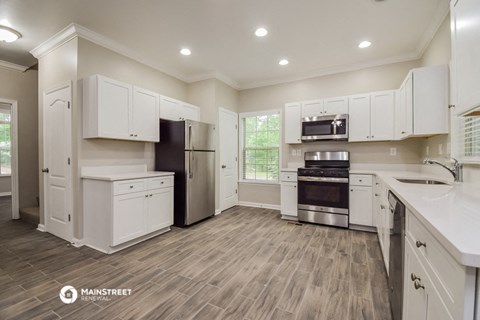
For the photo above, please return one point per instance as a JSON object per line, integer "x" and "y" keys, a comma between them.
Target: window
{"x": 5, "y": 154}
{"x": 468, "y": 138}
{"x": 260, "y": 143}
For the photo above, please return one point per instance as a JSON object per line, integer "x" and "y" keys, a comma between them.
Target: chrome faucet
{"x": 456, "y": 170}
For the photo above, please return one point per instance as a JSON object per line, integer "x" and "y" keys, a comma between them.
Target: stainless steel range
{"x": 323, "y": 188}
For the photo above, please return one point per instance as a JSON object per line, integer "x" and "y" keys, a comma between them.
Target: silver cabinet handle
{"x": 131, "y": 134}
{"x": 414, "y": 277}
{"x": 131, "y": 187}
{"x": 376, "y": 194}
{"x": 382, "y": 206}
{"x": 223, "y": 166}
{"x": 418, "y": 285}
{"x": 419, "y": 244}
{"x": 403, "y": 132}
{"x": 162, "y": 182}
{"x": 146, "y": 196}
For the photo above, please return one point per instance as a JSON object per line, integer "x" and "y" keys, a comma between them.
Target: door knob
{"x": 223, "y": 166}
{"x": 45, "y": 170}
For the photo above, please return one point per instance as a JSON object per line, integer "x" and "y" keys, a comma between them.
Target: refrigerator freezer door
{"x": 199, "y": 136}
{"x": 200, "y": 182}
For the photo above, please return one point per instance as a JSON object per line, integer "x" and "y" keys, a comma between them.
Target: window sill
{"x": 273, "y": 183}
{"x": 5, "y": 175}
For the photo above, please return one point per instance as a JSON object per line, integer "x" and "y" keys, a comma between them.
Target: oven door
{"x": 325, "y": 128}
{"x": 323, "y": 194}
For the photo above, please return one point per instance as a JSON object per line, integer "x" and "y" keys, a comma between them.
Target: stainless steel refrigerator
{"x": 188, "y": 149}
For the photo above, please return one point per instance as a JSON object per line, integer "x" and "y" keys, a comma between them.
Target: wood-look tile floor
{"x": 243, "y": 264}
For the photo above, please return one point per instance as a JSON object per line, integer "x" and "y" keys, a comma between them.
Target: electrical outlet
{"x": 299, "y": 152}
{"x": 393, "y": 151}
{"x": 440, "y": 149}
{"x": 294, "y": 152}
{"x": 427, "y": 150}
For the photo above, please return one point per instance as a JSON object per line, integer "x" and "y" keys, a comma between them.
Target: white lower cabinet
{"x": 288, "y": 195}
{"x": 118, "y": 214}
{"x": 382, "y": 218}
{"x": 436, "y": 286}
{"x": 361, "y": 202}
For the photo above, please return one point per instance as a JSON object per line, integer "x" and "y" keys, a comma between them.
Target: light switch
{"x": 393, "y": 151}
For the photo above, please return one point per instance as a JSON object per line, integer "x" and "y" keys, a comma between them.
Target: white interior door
{"x": 228, "y": 133}
{"x": 57, "y": 132}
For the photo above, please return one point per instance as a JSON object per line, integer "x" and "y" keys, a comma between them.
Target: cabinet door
{"x": 288, "y": 198}
{"x": 408, "y": 129}
{"x": 359, "y": 118}
{"x": 381, "y": 115}
{"x": 145, "y": 115}
{"x": 414, "y": 300}
{"x": 129, "y": 211}
{"x": 312, "y": 108}
{"x": 334, "y": 106}
{"x": 190, "y": 112}
{"x": 170, "y": 109}
{"x": 160, "y": 209}
{"x": 114, "y": 104}
{"x": 465, "y": 16}
{"x": 293, "y": 124}
{"x": 361, "y": 206}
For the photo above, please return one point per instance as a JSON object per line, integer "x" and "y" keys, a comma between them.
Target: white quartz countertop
{"x": 126, "y": 175}
{"x": 450, "y": 212}
{"x": 288, "y": 170}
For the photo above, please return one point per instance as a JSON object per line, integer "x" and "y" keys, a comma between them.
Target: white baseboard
{"x": 259, "y": 205}
{"x": 5, "y": 194}
{"x": 41, "y": 227}
{"x": 77, "y": 243}
{"x": 217, "y": 212}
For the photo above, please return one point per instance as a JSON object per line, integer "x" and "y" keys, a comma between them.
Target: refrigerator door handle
{"x": 192, "y": 158}
{"x": 190, "y": 136}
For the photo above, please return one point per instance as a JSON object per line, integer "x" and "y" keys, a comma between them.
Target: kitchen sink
{"x": 420, "y": 181}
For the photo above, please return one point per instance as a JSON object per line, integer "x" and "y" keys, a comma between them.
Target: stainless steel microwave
{"x": 325, "y": 128}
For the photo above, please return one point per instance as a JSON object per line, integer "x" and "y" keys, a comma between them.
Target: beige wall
{"x": 5, "y": 184}
{"x": 210, "y": 95}
{"x": 22, "y": 87}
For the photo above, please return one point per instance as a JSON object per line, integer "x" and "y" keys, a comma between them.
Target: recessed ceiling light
{"x": 283, "y": 62}
{"x": 8, "y": 34}
{"x": 186, "y": 52}
{"x": 364, "y": 44}
{"x": 261, "y": 32}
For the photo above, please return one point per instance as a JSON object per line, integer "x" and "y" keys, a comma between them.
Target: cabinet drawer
{"x": 128, "y": 186}
{"x": 448, "y": 276}
{"x": 161, "y": 182}
{"x": 289, "y": 176}
{"x": 361, "y": 180}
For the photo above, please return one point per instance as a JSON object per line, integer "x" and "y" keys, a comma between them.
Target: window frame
{"x": 458, "y": 139}
{"x": 241, "y": 144}
{"x": 10, "y": 148}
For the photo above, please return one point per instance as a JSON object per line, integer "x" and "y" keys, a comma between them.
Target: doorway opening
{"x": 8, "y": 160}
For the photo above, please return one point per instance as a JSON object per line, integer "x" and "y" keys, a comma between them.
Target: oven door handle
{"x": 322, "y": 179}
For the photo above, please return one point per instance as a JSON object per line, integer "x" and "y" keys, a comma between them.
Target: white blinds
{"x": 468, "y": 138}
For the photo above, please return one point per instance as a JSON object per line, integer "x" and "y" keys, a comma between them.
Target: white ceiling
{"x": 317, "y": 36}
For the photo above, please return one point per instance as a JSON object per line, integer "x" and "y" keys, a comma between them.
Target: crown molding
{"x": 12, "y": 66}
{"x": 54, "y": 42}
{"x": 213, "y": 75}
{"x": 329, "y": 71}
{"x": 438, "y": 17}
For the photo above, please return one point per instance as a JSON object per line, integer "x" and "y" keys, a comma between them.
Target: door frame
{"x": 14, "y": 155}
{"x": 220, "y": 110}
{"x": 69, "y": 205}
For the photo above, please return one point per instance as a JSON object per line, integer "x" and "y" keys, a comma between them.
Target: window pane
{"x": 249, "y": 172}
{"x": 5, "y": 161}
{"x": 262, "y": 123}
{"x": 274, "y": 122}
{"x": 251, "y": 124}
{"x": 273, "y": 138}
{"x": 250, "y": 139}
{"x": 262, "y": 139}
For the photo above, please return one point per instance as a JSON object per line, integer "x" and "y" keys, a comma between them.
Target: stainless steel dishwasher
{"x": 397, "y": 253}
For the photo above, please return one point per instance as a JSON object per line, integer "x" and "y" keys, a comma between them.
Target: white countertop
{"x": 128, "y": 176}
{"x": 450, "y": 212}
{"x": 288, "y": 170}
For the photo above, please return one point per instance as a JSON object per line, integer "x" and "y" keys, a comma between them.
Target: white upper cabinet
{"x": 117, "y": 110}
{"x": 293, "y": 124}
{"x": 335, "y": 106}
{"x": 312, "y": 108}
{"x": 423, "y": 102}
{"x": 371, "y": 116}
{"x": 382, "y": 106}
{"x": 172, "y": 109}
{"x": 331, "y": 106}
{"x": 359, "y": 118}
{"x": 145, "y": 108}
{"x": 465, "y": 16}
